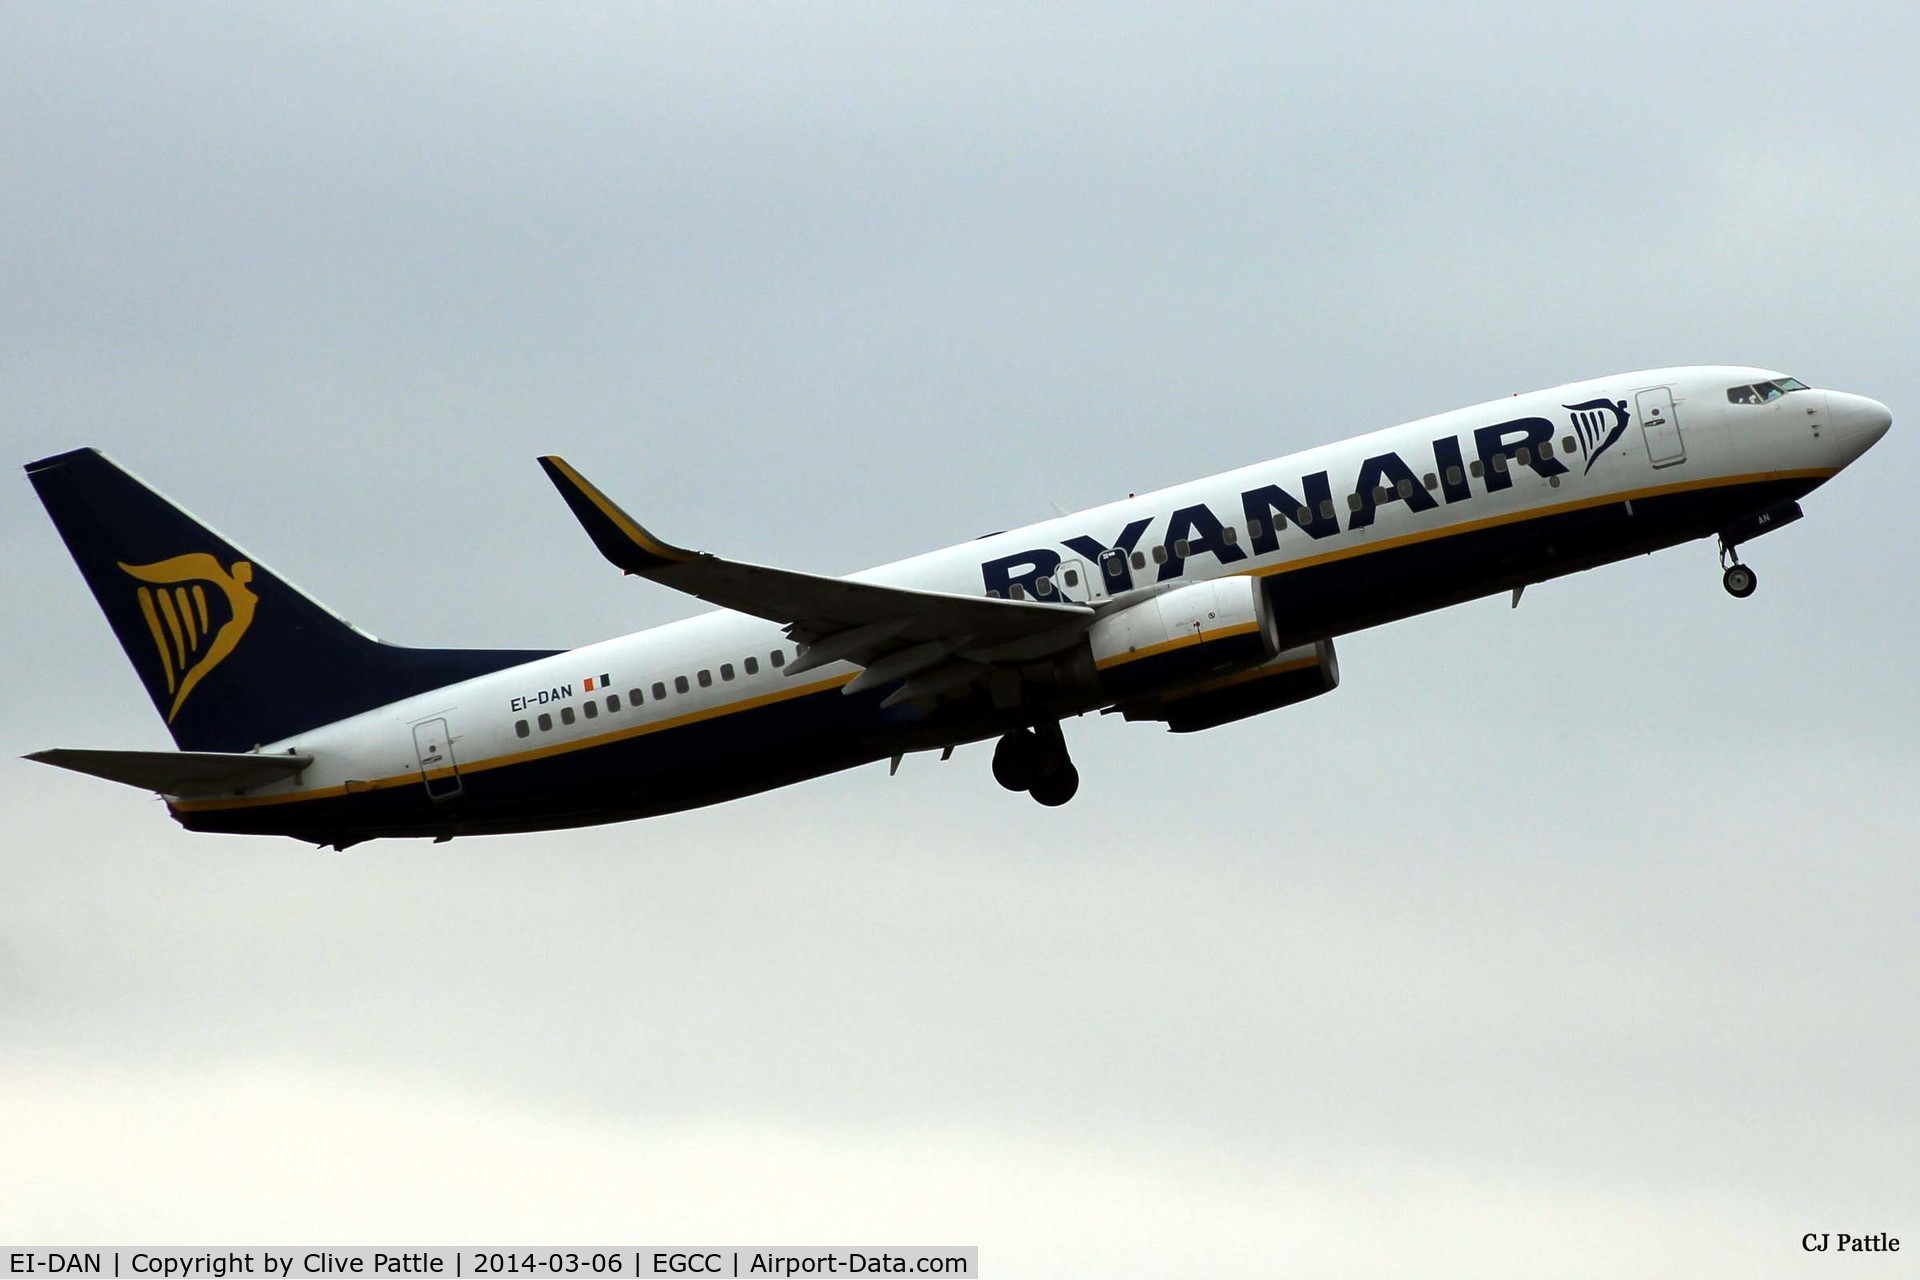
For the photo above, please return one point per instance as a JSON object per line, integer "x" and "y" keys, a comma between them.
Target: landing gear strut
{"x": 1036, "y": 761}
{"x": 1739, "y": 580}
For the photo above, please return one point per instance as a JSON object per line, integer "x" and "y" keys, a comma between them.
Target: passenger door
{"x": 1660, "y": 427}
{"x": 438, "y": 769}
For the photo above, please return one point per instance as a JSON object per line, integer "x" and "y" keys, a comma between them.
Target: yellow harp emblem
{"x": 193, "y": 639}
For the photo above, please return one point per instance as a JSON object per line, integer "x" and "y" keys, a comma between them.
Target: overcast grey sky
{"x": 1575, "y": 940}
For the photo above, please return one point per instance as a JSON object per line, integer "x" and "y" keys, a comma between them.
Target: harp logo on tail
{"x": 197, "y": 612}
{"x": 1598, "y": 423}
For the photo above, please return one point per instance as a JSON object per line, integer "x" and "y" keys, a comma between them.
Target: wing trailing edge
{"x": 840, "y": 619}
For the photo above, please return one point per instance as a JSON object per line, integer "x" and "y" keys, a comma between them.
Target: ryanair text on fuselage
{"x": 1269, "y": 510}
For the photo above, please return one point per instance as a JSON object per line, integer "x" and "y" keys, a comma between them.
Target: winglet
{"x": 617, "y": 534}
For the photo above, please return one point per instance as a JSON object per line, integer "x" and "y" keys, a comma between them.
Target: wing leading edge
{"x": 934, "y": 640}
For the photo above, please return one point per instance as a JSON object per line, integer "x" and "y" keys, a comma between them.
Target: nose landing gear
{"x": 1738, "y": 579}
{"x": 1036, "y": 761}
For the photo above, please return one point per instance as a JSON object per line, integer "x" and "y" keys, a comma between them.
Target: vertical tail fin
{"x": 230, "y": 653}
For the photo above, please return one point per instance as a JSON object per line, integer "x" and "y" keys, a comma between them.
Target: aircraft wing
{"x": 895, "y": 632}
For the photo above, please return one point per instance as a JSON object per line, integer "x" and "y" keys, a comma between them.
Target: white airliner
{"x": 1193, "y": 606}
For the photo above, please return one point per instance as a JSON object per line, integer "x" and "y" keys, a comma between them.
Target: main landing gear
{"x": 1035, "y": 761}
{"x": 1739, "y": 580}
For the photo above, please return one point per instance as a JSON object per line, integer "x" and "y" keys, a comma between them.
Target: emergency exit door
{"x": 1075, "y": 580}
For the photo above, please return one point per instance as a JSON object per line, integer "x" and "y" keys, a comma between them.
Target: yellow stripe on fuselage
{"x": 356, "y": 786}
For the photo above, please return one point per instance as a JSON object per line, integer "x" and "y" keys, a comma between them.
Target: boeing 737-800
{"x": 1192, "y": 606}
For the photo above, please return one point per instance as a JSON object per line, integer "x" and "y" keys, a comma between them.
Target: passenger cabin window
{"x": 1181, "y": 548}
{"x": 1431, "y": 480}
{"x": 592, "y": 709}
{"x": 1256, "y": 529}
{"x": 659, "y": 691}
{"x": 726, "y": 671}
{"x": 1070, "y": 576}
{"x": 1523, "y": 456}
{"x": 1453, "y": 475}
{"x": 1159, "y": 555}
{"x": 1475, "y": 468}
{"x": 566, "y": 715}
{"x": 778, "y": 657}
{"x": 679, "y": 684}
{"x": 752, "y": 665}
{"x": 1116, "y": 563}
{"x": 613, "y": 702}
{"x": 1139, "y": 559}
{"x": 520, "y": 729}
{"x": 1326, "y": 510}
{"x": 706, "y": 678}
{"x": 546, "y": 723}
{"x": 1230, "y": 535}
{"x": 1566, "y": 444}
{"x": 634, "y": 697}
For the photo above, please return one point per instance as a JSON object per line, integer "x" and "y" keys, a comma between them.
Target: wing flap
{"x": 178, "y": 773}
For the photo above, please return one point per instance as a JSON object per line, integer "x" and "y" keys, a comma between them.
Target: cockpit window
{"x": 1764, "y": 392}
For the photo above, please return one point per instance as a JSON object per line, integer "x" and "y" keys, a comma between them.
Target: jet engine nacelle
{"x": 1193, "y": 633}
{"x": 1291, "y": 676}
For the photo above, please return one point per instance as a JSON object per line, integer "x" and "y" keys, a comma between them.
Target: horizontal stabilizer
{"x": 178, "y": 773}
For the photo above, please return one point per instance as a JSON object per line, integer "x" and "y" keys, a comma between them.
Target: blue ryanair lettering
{"x": 1001, "y": 575}
{"x": 1269, "y": 509}
{"x": 1452, "y": 471}
{"x": 1386, "y": 471}
{"x": 1117, "y": 572}
{"x": 1505, "y": 440}
{"x": 1202, "y": 531}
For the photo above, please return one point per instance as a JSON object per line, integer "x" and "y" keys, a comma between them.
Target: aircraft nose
{"x": 1857, "y": 421}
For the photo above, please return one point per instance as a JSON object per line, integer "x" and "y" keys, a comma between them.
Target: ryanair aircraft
{"x": 1193, "y": 606}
